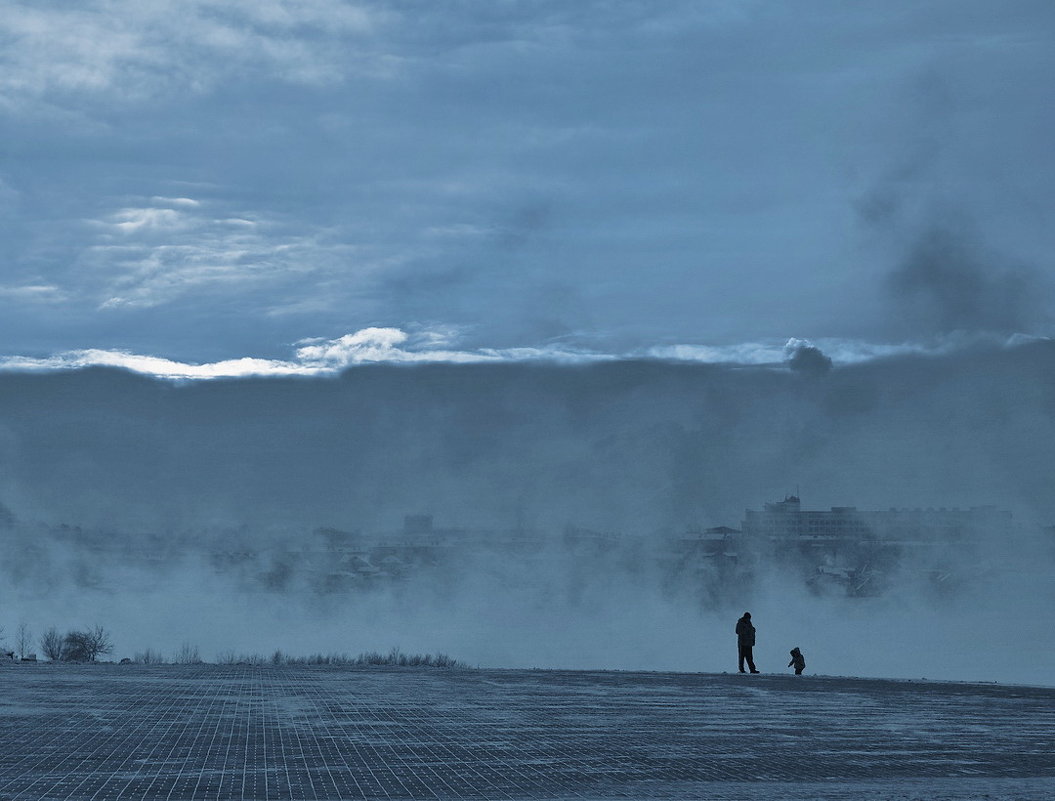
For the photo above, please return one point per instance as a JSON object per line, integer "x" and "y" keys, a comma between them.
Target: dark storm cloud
{"x": 949, "y": 282}
{"x": 958, "y": 255}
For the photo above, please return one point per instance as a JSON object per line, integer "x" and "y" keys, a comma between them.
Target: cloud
{"x": 369, "y": 344}
{"x": 312, "y": 357}
{"x": 147, "y": 256}
{"x": 137, "y": 49}
{"x": 33, "y": 293}
{"x": 423, "y": 345}
{"x": 948, "y": 281}
{"x": 155, "y": 366}
{"x": 950, "y": 232}
{"x": 838, "y": 351}
{"x": 804, "y": 357}
{"x": 130, "y": 220}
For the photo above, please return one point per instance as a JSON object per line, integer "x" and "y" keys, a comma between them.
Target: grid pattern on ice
{"x": 243, "y": 732}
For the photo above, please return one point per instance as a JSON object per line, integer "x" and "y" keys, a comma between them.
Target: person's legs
{"x": 740, "y": 655}
{"x": 798, "y": 671}
{"x": 750, "y": 661}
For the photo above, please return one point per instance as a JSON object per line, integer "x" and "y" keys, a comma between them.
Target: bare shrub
{"x": 149, "y": 657}
{"x": 394, "y": 658}
{"x": 321, "y": 659}
{"x": 232, "y": 658}
{"x": 53, "y": 645}
{"x": 188, "y": 655}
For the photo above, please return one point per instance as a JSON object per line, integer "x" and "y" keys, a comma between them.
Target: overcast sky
{"x": 320, "y": 181}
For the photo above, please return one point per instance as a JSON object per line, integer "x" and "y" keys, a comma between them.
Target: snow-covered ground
{"x": 208, "y": 731}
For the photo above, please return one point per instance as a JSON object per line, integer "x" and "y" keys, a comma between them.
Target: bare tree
{"x": 23, "y": 639}
{"x": 101, "y": 642}
{"x": 188, "y": 655}
{"x": 76, "y": 647}
{"x": 87, "y": 645}
{"x": 53, "y": 644}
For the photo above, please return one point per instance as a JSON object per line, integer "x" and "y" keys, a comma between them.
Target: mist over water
{"x": 192, "y": 511}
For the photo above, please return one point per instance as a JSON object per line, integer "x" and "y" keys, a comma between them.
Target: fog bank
{"x": 636, "y": 453}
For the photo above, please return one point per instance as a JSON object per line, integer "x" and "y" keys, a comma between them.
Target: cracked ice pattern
{"x": 242, "y": 732}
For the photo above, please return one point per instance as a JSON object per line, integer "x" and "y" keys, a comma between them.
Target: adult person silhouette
{"x": 745, "y": 641}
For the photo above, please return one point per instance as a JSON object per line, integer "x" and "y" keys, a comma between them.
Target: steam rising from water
{"x": 644, "y": 450}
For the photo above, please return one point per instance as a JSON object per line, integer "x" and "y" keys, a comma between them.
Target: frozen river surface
{"x": 242, "y": 732}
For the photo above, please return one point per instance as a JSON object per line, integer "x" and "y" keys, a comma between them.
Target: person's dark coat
{"x": 745, "y": 632}
{"x": 798, "y": 661}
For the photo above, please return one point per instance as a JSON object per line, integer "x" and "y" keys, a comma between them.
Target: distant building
{"x": 786, "y": 520}
{"x": 857, "y": 551}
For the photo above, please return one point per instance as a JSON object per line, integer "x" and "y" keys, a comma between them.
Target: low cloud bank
{"x": 387, "y": 345}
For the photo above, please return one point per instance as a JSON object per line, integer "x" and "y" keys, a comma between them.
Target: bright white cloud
{"x": 155, "y": 365}
{"x": 314, "y": 357}
{"x": 321, "y": 357}
{"x": 369, "y": 344}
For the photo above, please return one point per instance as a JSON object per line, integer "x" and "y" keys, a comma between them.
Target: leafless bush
{"x": 188, "y": 655}
{"x": 321, "y": 659}
{"x": 53, "y": 645}
{"x": 232, "y": 658}
{"x": 149, "y": 657}
{"x": 394, "y": 658}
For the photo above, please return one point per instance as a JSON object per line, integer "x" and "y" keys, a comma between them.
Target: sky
{"x": 219, "y": 185}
